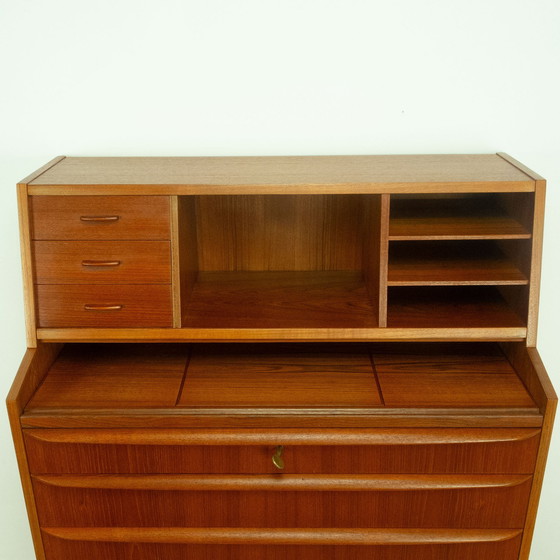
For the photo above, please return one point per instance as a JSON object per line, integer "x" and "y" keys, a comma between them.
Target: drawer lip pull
{"x": 314, "y": 536}
{"x": 197, "y": 436}
{"x": 100, "y": 219}
{"x": 94, "y": 263}
{"x": 286, "y": 483}
{"x": 103, "y": 307}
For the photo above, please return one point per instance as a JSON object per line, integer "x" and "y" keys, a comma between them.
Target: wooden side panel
{"x": 531, "y": 369}
{"x": 186, "y": 251}
{"x": 97, "y": 451}
{"x": 355, "y": 502}
{"x": 33, "y": 368}
{"x": 536, "y": 262}
{"x": 62, "y": 545}
{"x": 376, "y": 253}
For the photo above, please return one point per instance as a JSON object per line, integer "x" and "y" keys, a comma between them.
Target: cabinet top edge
{"x": 280, "y": 174}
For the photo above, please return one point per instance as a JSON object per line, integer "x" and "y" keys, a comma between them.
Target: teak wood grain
{"x": 447, "y": 263}
{"x": 321, "y": 502}
{"x": 100, "y": 217}
{"x": 102, "y": 262}
{"x": 455, "y": 218}
{"x": 256, "y": 377}
{"x": 433, "y": 307}
{"x": 449, "y": 376}
{"x": 391, "y": 449}
{"x": 284, "y": 175}
{"x": 112, "y": 305}
{"x": 485, "y": 548}
{"x": 395, "y": 451}
{"x": 308, "y": 299}
{"x": 276, "y": 233}
{"x": 101, "y": 376}
{"x": 33, "y": 368}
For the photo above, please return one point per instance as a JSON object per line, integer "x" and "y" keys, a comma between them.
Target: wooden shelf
{"x": 449, "y": 307}
{"x": 452, "y": 219}
{"x": 310, "y": 299}
{"x": 451, "y": 264}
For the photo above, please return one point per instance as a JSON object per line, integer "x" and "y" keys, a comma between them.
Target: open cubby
{"x": 461, "y": 216}
{"x": 281, "y": 261}
{"x": 425, "y": 263}
{"x": 454, "y": 307}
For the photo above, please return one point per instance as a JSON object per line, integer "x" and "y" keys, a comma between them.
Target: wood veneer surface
{"x": 102, "y": 262}
{"x": 281, "y": 170}
{"x": 334, "y": 299}
{"x": 283, "y": 376}
{"x": 130, "y": 217}
{"x": 62, "y": 548}
{"x": 455, "y": 501}
{"x": 417, "y": 263}
{"x": 449, "y": 307}
{"x": 452, "y": 218}
{"x": 279, "y": 378}
{"x": 104, "y": 375}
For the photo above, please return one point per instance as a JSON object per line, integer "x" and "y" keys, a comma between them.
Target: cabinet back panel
{"x": 280, "y": 232}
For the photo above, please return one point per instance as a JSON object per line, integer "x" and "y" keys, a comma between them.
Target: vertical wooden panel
{"x": 184, "y": 243}
{"x": 536, "y": 262}
{"x": 376, "y": 253}
{"x": 530, "y": 368}
{"x": 280, "y": 232}
{"x": 33, "y": 368}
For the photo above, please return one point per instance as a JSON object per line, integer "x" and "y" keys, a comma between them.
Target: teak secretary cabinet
{"x": 276, "y": 358}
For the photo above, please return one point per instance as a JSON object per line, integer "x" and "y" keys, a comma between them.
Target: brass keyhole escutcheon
{"x": 277, "y": 459}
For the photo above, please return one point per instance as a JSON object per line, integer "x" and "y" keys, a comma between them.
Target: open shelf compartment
{"x": 281, "y": 261}
{"x": 461, "y": 216}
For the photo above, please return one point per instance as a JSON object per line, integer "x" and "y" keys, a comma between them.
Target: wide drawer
{"x": 360, "y": 451}
{"x": 86, "y": 305}
{"x": 100, "y": 217}
{"x": 352, "y": 501}
{"x": 102, "y": 262}
{"x": 270, "y": 544}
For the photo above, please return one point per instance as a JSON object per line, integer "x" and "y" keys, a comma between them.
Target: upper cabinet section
{"x": 274, "y": 248}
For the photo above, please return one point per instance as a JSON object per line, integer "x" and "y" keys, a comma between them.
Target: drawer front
{"x": 102, "y": 262}
{"x": 231, "y": 544}
{"x": 468, "y": 501}
{"x": 104, "y": 306}
{"x": 100, "y": 217}
{"x": 389, "y": 451}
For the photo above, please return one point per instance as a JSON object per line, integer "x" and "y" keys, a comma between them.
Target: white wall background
{"x": 262, "y": 77}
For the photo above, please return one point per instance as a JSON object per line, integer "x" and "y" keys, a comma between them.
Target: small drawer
{"x": 141, "y": 305}
{"x": 102, "y": 262}
{"x": 100, "y": 217}
{"x": 367, "y": 501}
{"x": 387, "y": 451}
{"x": 107, "y": 543}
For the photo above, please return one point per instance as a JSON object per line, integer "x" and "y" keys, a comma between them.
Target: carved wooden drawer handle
{"x": 99, "y": 218}
{"x": 277, "y": 459}
{"x": 94, "y": 307}
{"x": 100, "y": 263}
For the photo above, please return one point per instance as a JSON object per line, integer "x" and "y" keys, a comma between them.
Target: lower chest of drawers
{"x": 342, "y": 494}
